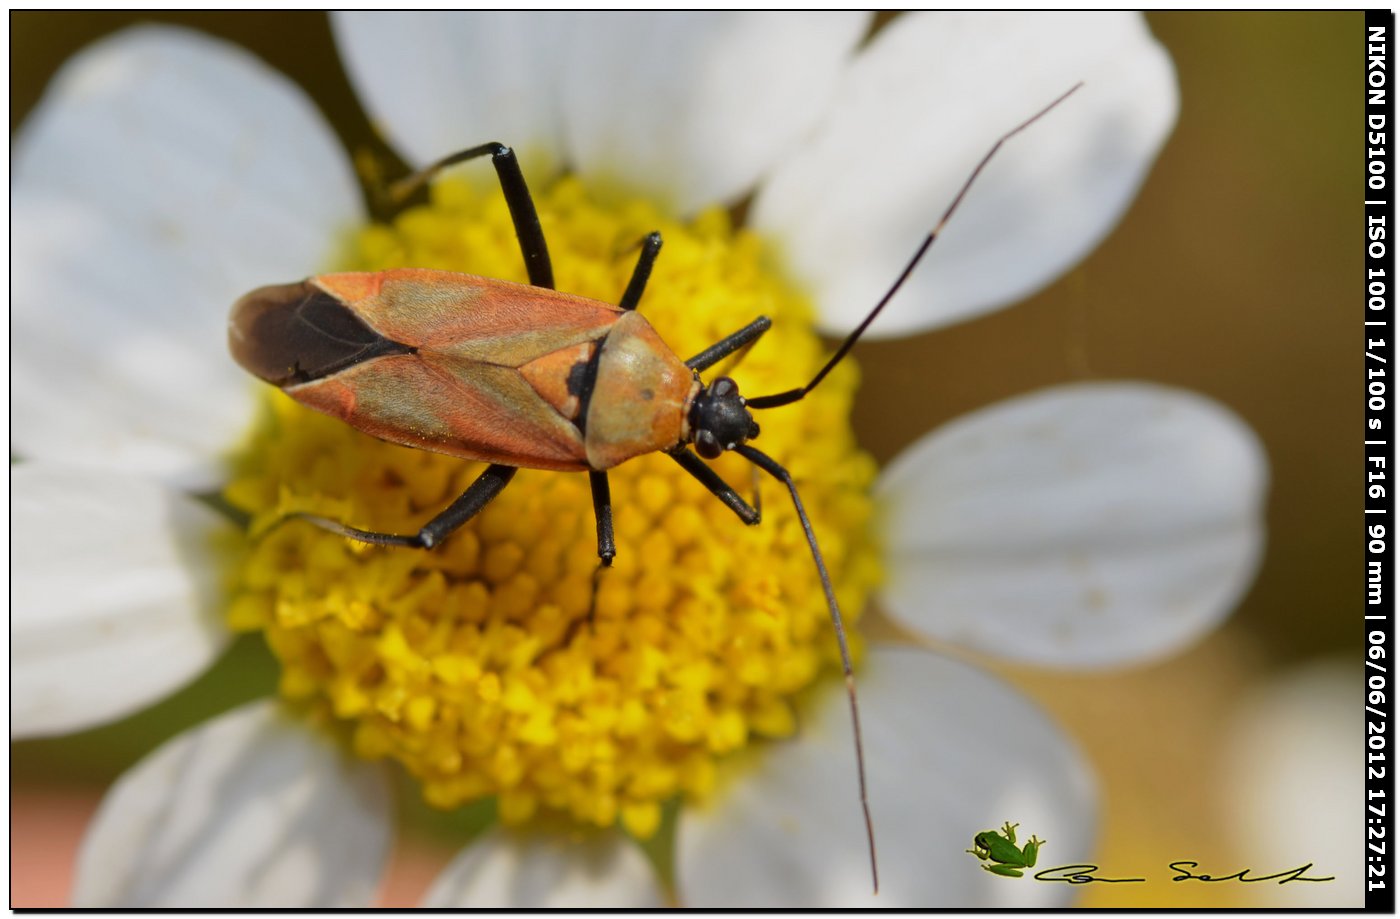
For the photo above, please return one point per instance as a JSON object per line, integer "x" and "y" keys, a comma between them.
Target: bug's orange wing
{"x": 483, "y": 371}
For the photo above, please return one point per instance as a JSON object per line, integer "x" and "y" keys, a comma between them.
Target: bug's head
{"x": 719, "y": 419}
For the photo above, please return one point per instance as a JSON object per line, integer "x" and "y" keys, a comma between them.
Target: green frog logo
{"x": 1000, "y": 850}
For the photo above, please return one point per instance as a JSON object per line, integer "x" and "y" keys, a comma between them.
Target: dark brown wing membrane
{"x": 296, "y": 333}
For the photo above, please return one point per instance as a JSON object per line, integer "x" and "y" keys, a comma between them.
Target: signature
{"x": 1086, "y": 874}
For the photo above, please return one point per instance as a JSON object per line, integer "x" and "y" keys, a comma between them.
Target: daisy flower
{"x": 165, "y": 174}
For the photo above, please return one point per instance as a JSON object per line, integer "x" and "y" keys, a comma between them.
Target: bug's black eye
{"x": 723, "y": 386}
{"x": 707, "y": 445}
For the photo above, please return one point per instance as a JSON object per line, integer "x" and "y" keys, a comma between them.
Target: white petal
{"x": 950, "y": 752}
{"x": 524, "y": 870}
{"x": 438, "y": 82}
{"x": 1294, "y": 785}
{"x": 115, "y": 596}
{"x": 163, "y": 175}
{"x": 1083, "y": 525}
{"x": 917, "y": 111}
{"x": 249, "y": 810}
{"x": 694, "y": 107}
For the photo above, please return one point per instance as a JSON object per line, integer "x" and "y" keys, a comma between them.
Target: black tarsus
{"x": 522, "y": 207}
{"x": 773, "y": 468}
{"x": 602, "y": 510}
{"x": 488, "y": 485}
{"x": 607, "y": 550}
{"x": 792, "y": 395}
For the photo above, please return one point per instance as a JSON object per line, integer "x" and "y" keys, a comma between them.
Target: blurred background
{"x": 1235, "y": 274}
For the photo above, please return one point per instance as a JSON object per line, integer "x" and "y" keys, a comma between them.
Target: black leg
{"x": 728, "y": 345}
{"x": 602, "y": 510}
{"x": 517, "y": 193}
{"x": 487, "y": 486}
{"x": 717, "y": 486}
{"x": 651, "y": 245}
{"x": 607, "y": 550}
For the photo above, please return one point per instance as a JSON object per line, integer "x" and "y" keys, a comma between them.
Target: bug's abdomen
{"x": 640, "y": 396}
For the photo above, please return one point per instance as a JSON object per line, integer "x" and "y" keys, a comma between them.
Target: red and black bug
{"x": 519, "y": 375}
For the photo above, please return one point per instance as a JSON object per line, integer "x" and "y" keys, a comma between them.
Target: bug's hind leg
{"x": 487, "y": 486}
{"x": 517, "y": 194}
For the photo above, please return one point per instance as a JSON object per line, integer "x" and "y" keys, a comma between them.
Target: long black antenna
{"x": 792, "y": 395}
{"x": 771, "y": 466}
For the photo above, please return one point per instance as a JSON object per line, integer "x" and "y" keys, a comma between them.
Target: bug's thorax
{"x": 641, "y": 397}
{"x": 719, "y": 419}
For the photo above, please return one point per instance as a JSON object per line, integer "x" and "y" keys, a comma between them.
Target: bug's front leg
{"x": 486, "y": 486}
{"x": 726, "y": 346}
{"x": 749, "y": 513}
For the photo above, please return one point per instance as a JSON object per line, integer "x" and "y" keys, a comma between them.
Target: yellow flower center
{"x": 473, "y": 664}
